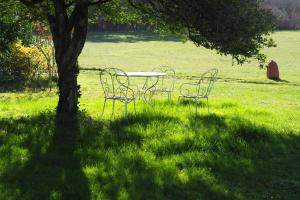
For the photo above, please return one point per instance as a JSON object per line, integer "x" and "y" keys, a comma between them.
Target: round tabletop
{"x": 141, "y": 74}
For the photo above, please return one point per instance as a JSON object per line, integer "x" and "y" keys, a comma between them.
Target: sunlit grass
{"x": 164, "y": 151}
{"x": 144, "y": 52}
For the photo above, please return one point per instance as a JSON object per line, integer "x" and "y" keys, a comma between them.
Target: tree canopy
{"x": 237, "y": 28}
{"x": 14, "y": 24}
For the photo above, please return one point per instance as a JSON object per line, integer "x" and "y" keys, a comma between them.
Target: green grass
{"x": 247, "y": 148}
{"x": 143, "y": 52}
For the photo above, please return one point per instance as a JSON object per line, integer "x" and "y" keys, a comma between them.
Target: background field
{"x": 145, "y": 51}
{"x": 246, "y": 85}
{"x": 246, "y": 148}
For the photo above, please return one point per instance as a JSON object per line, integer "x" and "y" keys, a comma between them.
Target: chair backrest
{"x": 168, "y": 81}
{"x": 207, "y": 81}
{"x": 115, "y": 83}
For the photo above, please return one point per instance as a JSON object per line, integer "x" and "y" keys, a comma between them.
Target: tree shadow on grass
{"x": 262, "y": 162}
{"x": 127, "y": 169}
{"x": 39, "y": 159}
{"x": 139, "y": 158}
{"x": 237, "y": 153}
{"x": 192, "y": 102}
{"x": 123, "y": 128}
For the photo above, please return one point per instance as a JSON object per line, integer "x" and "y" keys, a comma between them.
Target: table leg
{"x": 147, "y": 98}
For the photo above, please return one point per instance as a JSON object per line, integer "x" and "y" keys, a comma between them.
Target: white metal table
{"x": 147, "y": 75}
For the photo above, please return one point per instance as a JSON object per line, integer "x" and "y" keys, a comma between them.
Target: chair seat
{"x": 193, "y": 96}
{"x": 121, "y": 98}
{"x": 162, "y": 90}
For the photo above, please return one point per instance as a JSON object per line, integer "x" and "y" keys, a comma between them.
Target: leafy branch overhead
{"x": 237, "y": 28}
{"x": 231, "y": 27}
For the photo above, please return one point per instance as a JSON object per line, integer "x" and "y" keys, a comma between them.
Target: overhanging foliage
{"x": 237, "y": 28}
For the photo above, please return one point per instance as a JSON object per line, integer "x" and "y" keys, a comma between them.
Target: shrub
{"x": 23, "y": 63}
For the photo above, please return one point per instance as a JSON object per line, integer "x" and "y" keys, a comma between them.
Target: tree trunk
{"x": 69, "y": 34}
{"x": 68, "y": 89}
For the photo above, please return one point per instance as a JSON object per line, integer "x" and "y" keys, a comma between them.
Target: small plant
{"x": 43, "y": 42}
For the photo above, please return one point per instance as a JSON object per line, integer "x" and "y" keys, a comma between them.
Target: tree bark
{"x": 69, "y": 35}
{"x": 68, "y": 89}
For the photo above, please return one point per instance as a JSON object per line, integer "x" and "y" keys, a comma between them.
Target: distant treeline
{"x": 287, "y": 13}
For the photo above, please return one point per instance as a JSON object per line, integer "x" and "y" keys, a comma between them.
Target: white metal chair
{"x": 199, "y": 89}
{"x": 166, "y": 83}
{"x": 115, "y": 84}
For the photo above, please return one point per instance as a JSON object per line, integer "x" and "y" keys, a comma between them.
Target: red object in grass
{"x": 273, "y": 71}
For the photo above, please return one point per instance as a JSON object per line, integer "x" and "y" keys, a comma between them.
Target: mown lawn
{"x": 246, "y": 148}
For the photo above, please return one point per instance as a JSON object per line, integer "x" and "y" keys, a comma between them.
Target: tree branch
{"x": 98, "y": 2}
{"x": 70, "y": 4}
{"x": 31, "y": 2}
{"x": 73, "y": 17}
{"x": 144, "y": 9}
{"x": 142, "y": 6}
{"x": 61, "y": 16}
{"x": 132, "y": 3}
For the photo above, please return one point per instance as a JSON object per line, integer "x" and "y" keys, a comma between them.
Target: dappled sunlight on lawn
{"x": 150, "y": 155}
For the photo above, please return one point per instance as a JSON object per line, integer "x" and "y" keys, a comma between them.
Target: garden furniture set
{"x": 117, "y": 86}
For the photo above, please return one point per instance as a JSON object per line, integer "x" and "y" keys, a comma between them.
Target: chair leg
{"x": 103, "y": 107}
{"x": 207, "y": 105}
{"x": 152, "y": 93}
{"x": 113, "y": 109}
{"x": 126, "y": 109}
{"x": 134, "y": 106}
{"x": 178, "y": 103}
{"x": 178, "y": 99}
{"x": 169, "y": 96}
{"x": 139, "y": 94}
{"x": 196, "y": 106}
